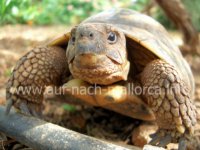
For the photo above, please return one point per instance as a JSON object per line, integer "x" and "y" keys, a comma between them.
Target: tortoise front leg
{"x": 168, "y": 96}
{"x": 37, "y": 69}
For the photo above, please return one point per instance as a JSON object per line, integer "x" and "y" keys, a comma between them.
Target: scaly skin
{"x": 172, "y": 105}
{"x": 40, "y": 67}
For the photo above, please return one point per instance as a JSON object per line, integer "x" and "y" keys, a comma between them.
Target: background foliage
{"x": 47, "y": 12}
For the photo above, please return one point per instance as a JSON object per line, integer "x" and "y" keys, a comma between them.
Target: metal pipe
{"x": 42, "y": 135}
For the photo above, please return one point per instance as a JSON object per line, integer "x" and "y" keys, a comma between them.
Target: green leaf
{"x": 69, "y": 107}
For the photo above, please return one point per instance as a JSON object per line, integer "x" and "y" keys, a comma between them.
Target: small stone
{"x": 141, "y": 134}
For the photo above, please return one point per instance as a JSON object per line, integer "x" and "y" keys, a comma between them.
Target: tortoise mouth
{"x": 98, "y": 69}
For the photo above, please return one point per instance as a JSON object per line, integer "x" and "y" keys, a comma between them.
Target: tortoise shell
{"x": 146, "y": 40}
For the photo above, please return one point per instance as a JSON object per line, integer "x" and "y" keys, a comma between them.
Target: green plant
{"x": 193, "y": 8}
{"x": 138, "y": 4}
{"x": 44, "y": 12}
{"x": 69, "y": 107}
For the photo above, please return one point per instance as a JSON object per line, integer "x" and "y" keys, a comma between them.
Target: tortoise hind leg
{"x": 40, "y": 67}
{"x": 169, "y": 98}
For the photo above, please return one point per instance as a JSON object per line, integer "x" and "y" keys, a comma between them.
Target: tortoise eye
{"x": 112, "y": 38}
{"x": 73, "y": 39}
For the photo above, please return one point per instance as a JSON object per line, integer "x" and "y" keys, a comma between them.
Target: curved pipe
{"x": 42, "y": 135}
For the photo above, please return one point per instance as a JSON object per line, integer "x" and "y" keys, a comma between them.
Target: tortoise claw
{"x": 30, "y": 109}
{"x": 24, "y": 108}
{"x": 155, "y": 138}
{"x": 9, "y": 104}
{"x": 162, "y": 138}
{"x": 182, "y": 145}
{"x": 165, "y": 141}
{"x": 36, "y": 110}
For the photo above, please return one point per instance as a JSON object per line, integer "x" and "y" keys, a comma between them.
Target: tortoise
{"x": 111, "y": 51}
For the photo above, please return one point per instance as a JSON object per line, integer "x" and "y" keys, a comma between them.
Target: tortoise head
{"x": 96, "y": 53}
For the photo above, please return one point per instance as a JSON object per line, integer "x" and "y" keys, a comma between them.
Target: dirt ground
{"x": 17, "y": 40}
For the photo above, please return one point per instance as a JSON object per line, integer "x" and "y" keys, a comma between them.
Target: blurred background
{"x": 25, "y": 24}
{"x": 70, "y": 12}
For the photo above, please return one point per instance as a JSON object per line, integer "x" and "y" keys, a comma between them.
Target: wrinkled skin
{"x": 97, "y": 54}
{"x": 95, "y": 58}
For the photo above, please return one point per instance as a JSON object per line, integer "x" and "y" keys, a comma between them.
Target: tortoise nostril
{"x": 87, "y": 34}
{"x": 91, "y": 34}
